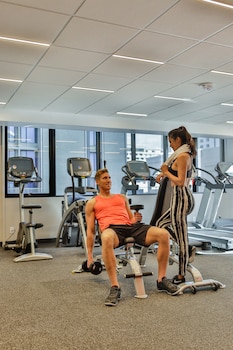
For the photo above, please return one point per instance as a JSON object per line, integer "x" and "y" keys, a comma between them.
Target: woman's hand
{"x": 164, "y": 168}
{"x": 159, "y": 177}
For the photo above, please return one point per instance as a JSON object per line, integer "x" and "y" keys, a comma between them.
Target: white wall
{"x": 60, "y": 120}
{"x": 51, "y": 212}
{"x": 49, "y": 215}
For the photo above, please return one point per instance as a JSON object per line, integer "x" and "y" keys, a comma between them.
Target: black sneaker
{"x": 176, "y": 280}
{"x": 114, "y": 296}
{"x": 165, "y": 285}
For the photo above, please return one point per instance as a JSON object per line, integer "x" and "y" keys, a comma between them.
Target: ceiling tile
{"x": 135, "y": 14}
{"x": 192, "y": 19}
{"x": 98, "y": 37}
{"x": 67, "y": 7}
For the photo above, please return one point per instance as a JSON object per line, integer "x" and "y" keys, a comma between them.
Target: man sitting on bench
{"x": 117, "y": 222}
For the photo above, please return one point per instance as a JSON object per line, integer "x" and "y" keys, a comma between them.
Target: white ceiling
{"x": 191, "y": 37}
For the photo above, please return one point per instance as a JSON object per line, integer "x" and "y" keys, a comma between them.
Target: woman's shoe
{"x": 176, "y": 280}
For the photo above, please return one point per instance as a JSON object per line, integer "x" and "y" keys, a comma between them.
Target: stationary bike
{"x": 21, "y": 171}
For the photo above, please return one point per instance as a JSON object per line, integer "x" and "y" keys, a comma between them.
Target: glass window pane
{"x": 114, "y": 153}
{"x": 71, "y": 144}
{"x": 149, "y": 148}
{"x": 208, "y": 155}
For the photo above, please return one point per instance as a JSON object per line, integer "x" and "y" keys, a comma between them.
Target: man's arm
{"x": 134, "y": 217}
{"x": 90, "y": 221}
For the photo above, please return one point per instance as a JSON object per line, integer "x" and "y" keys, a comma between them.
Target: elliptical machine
{"x": 74, "y": 203}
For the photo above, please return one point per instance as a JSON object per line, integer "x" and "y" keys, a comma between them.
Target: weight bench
{"x": 125, "y": 255}
{"x": 129, "y": 257}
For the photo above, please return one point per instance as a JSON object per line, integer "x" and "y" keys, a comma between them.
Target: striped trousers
{"x": 174, "y": 220}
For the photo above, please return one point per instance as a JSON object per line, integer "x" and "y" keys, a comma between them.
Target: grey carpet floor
{"x": 44, "y": 306}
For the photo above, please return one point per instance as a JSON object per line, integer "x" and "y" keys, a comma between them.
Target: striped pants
{"x": 174, "y": 220}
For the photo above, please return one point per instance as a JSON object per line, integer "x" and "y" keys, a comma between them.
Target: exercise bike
{"x": 21, "y": 171}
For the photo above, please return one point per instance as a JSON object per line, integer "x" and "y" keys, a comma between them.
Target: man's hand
{"x": 137, "y": 216}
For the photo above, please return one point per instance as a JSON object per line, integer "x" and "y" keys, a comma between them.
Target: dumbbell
{"x": 95, "y": 267}
{"x": 137, "y": 207}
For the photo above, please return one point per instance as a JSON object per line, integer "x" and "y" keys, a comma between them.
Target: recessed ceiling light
{"x": 219, "y": 3}
{"x": 137, "y": 59}
{"x": 11, "y": 80}
{"x": 23, "y": 41}
{"x": 92, "y": 89}
{"x": 227, "y": 104}
{"x": 2, "y": 103}
{"x": 229, "y": 121}
{"x": 218, "y": 72}
{"x": 173, "y": 98}
{"x": 133, "y": 114}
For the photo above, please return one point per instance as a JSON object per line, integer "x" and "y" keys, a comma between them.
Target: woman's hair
{"x": 100, "y": 172}
{"x": 185, "y": 137}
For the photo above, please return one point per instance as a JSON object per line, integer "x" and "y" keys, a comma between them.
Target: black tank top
{"x": 175, "y": 172}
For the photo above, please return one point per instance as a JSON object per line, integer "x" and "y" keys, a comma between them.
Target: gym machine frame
{"x": 21, "y": 171}
{"x": 80, "y": 169}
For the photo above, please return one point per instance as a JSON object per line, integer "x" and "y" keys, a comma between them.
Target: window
{"x": 114, "y": 154}
{"x": 50, "y": 150}
{"x": 70, "y": 144}
{"x": 149, "y": 148}
{"x": 208, "y": 155}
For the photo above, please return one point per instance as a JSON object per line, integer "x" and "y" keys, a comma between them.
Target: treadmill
{"x": 205, "y": 227}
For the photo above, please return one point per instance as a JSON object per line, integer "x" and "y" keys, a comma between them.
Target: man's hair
{"x": 100, "y": 172}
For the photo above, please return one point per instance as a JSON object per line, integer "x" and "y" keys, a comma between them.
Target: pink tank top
{"x": 111, "y": 210}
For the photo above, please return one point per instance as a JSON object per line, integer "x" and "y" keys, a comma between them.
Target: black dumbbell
{"x": 95, "y": 268}
{"x": 137, "y": 207}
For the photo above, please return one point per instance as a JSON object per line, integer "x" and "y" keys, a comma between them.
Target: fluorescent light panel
{"x": 2, "y": 103}
{"x": 229, "y": 121}
{"x": 173, "y": 98}
{"x": 92, "y": 89}
{"x": 219, "y": 3}
{"x": 133, "y": 114}
{"x": 218, "y": 72}
{"x": 11, "y": 80}
{"x": 137, "y": 59}
{"x": 227, "y": 104}
{"x": 23, "y": 41}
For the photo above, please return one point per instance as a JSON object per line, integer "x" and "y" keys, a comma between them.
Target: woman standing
{"x": 178, "y": 171}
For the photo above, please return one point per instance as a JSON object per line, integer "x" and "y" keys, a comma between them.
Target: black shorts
{"x": 138, "y": 231}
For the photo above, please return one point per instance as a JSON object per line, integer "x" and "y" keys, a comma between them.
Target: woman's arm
{"x": 181, "y": 166}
